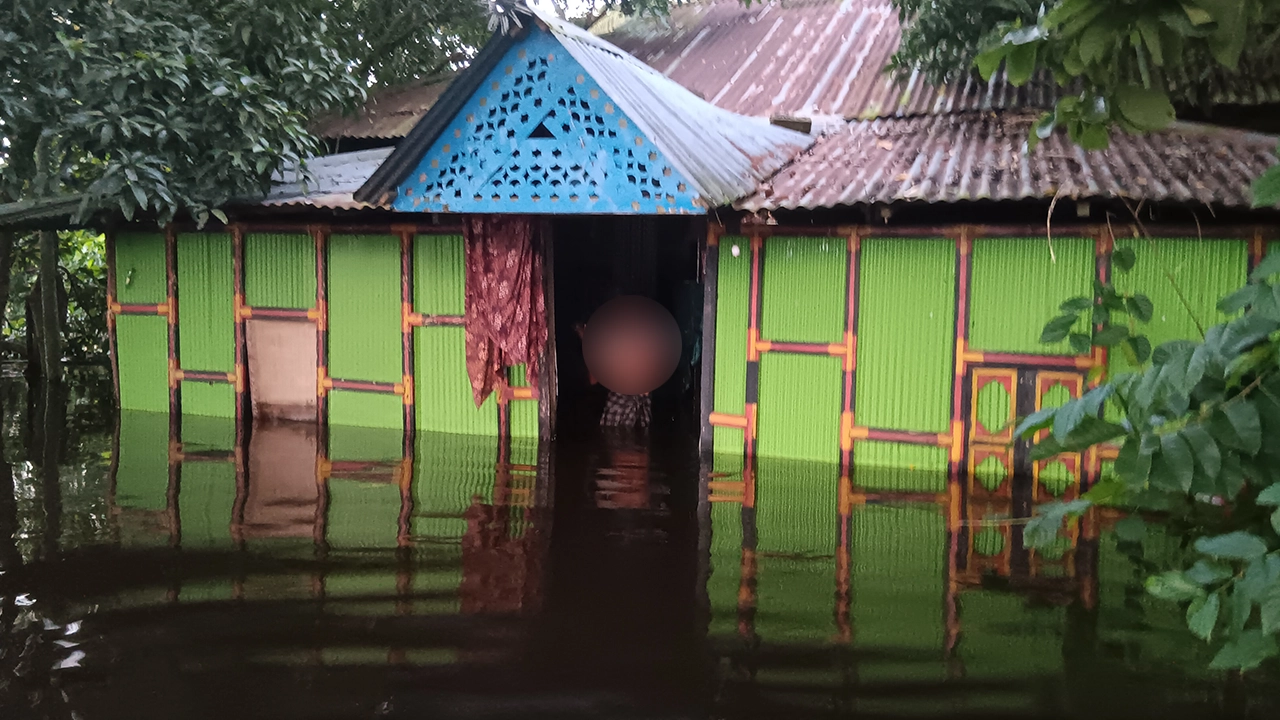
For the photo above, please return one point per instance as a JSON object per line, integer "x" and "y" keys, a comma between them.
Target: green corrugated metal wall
{"x": 439, "y": 275}
{"x": 142, "y": 342}
{"x": 1017, "y": 287}
{"x": 732, "y": 318}
{"x": 205, "y": 501}
{"x": 1205, "y": 271}
{"x": 140, "y": 273}
{"x": 206, "y": 311}
{"x": 201, "y": 432}
{"x": 524, "y": 413}
{"x": 804, "y": 289}
{"x": 213, "y": 400}
{"x": 899, "y": 467}
{"x": 280, "y": 270}
{"x": 906, "y": 334}
{"x": 352, "y": 442}
{"x": 142, "y": 475}
{"x": 364, "y": 326}
{"x": 442, "y": 389}
{"x": 799, "y": 414}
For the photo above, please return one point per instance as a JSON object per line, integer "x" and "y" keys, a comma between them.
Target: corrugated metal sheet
{"x": 439, "y": 274}
{"x": 799, "y": 413}
{"x": 327, "y": 181}
{"x": 142, "y": 343}
{"x": 206, "y": 311}
{"x": 732, "y": 297}
{"x": 804, "y": 289}
{"x": 388, "y": 113}
{"x": 364, "y": 308}
{"x": 1017, "y": 288}
{"x": 827, "y": 57}
{"x": 980, "y": 156}
{"x": 207, "y": 400}
{"x": 804, "y": 57}
{"x": 140, "y": 268}
{"x": 363, "y": 409}
{"x": 280, "y": 270}
{"x": 993, "y": 402}
{"x": 1205, "y": 271}
{"x": 906, "y": 334}
{"x": 721, "y": 153}
{"x": 898, "y": 467}
{"x": 374, "y": 444}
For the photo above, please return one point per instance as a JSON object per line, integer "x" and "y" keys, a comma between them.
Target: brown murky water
{"x": 149, "y": 579}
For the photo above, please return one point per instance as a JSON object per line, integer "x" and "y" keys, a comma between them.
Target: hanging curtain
{"x": 505, "y": 311}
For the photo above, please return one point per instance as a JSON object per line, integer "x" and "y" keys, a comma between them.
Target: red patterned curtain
{"x": 506, "y": 312}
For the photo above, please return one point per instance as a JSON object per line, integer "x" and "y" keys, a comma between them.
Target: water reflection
{"x": 298, "y": 574}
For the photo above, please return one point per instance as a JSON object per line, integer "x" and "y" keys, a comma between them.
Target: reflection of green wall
{"x": 899, "y": 467}
{"x": 142, "y": 475}
{"x": 363, "y": 515}
{"x": 796, "y": 507}
{"x": 206, "y": 498}
{"x": 449, "y": 472}
{"x": 726, "y": 564}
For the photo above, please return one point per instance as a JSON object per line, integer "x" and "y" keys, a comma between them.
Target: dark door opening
{"x": 598, "y": 258}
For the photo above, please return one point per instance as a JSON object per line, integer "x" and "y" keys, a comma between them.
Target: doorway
{"x": 600, "y": 257}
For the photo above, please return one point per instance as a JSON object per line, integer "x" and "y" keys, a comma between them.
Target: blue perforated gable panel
{"x": 540, "y": 136}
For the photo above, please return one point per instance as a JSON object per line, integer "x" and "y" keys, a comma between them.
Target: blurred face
{"x": 632, "y": 345}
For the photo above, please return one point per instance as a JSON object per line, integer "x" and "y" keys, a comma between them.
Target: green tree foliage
{"x": 1198, "y": 429}
{"x": 1121, "y": 63}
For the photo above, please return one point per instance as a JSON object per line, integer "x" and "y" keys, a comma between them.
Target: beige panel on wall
{"x": 282, "y": 369}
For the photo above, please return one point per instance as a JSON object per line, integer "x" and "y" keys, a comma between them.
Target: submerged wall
{"x": 903, "y": 357}
{"x": 385, "y": 310}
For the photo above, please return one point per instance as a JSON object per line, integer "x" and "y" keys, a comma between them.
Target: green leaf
{"x": 1232, "y": 478}
{"x": 1239, "y": 300}
{"x": 1111, "y": 335}
{"x": 1146, "y": 108}
{"x": 1141, "y": 347}
{"x": 1141, "y": 307}
{"x": 1150, "y": 32}
{"x": 1035, "y": 422}
{"x": 1067, "y": 419}
{"x": 1058, "y": 328}
{"x": 1132, "y": 464}
{"x": 222, "y": 217}
{"x": 1208, "y": 572}
{"x": 1094, "y": 136}
{"x": 1042, "y": 529}
{"x": 1095, "y": 41}
{"x": 1238, "y": 545}
{"x": 1196, "y": 15}
{"x": 1021, "y": 63}
{"x": 1131, "y": 529}
{"x": 1271, "y": 609}
{"x": 1081, "y": 344}
{"x": 1176, "y": 458}
{"x": 1076, "y": 305}
{"x": 1270, "y": 264}
{"x": 1202, "y": 616}
{"x": 988, "y": 62}
{"x": 1275, "y": 521}
{"x": 1246, "y": 652}
{"x": 1238, "y": 426}
{"x": 1173, "y": 586}
{"x": 1090, "y": 431}
{"x": 1205, "y": 448}
{"x": 1270, "y": 496}
{"x": 1123, "y": 259}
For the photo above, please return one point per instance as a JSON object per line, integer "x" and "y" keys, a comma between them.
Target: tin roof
{"x": 333, "y": 179}
{"x": 389, "y": 113}
{"x": 723, "y": 155}
{"x": 827, "y": 57}
{"x": 980, "y": 156}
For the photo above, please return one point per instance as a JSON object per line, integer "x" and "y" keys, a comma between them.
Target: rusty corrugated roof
{"x": 387, "y": 114}
{"x": 332, "y": 180}
{"x": 827, "y": 57}
{"x": 803, "y": 57}
{"x": 980, "y": 156}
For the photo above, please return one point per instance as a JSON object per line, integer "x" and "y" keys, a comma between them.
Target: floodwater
{"x": 149, "y": 579}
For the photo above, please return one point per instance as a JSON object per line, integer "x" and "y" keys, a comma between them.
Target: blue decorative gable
{"x": 541, "y": 136}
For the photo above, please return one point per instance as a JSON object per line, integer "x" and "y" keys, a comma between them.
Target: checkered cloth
{"x": 626, "y": 411}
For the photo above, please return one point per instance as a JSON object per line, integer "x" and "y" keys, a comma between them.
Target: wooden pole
{"x": 175, "y": 361}
{"x": 710, "y": 295}
{"x": 406, "y": 337}
{"x": 109, "y": 249}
